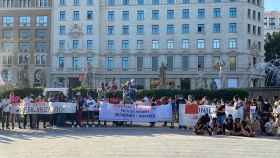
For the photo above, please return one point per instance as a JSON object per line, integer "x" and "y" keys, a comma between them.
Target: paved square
{"x": 131, "y": 143}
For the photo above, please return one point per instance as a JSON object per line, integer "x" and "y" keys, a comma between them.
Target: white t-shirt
{"x": 90, "y": 105}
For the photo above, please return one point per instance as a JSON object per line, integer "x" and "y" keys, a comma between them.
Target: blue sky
{"x": 272, "y": 4}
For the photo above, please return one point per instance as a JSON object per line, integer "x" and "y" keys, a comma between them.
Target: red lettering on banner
{"x": 191, "y": 109}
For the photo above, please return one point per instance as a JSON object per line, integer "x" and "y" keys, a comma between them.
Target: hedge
{"x": 226, "y": 94}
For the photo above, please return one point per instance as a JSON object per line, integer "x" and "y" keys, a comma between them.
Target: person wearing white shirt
{"x": 27, "y": 100}
{"x": 90, "y": 107}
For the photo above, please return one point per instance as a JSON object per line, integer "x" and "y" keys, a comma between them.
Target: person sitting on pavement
{"x": 228, "y": 125}
{"x": 247, "y": 129}
{"x": 202, "y": 125}
{"x": 237, "y": 127}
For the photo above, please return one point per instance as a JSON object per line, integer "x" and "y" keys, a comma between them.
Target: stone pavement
{"x": 134, "y": 142}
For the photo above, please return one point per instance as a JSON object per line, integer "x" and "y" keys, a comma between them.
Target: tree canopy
{"x": 272, "y": 46}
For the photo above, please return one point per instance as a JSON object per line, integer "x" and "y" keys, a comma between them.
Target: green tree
{"x": 272, "y": 46}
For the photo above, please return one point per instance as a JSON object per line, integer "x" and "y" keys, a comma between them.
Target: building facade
{"x": 271, "y": 22}
{"x": 25, "y": 41}
{"x": 202, "y": 43}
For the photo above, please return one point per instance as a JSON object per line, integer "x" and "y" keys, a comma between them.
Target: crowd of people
{"x": 266, "y": 121}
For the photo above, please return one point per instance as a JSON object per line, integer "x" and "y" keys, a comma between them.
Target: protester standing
{"x": 14, "y": 100}
{"x": 6, "y": 113}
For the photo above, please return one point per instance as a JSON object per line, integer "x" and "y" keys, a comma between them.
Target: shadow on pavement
{"x": 78, "y": 133}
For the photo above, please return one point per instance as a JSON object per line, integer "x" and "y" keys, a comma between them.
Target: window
{"x": 61, "y": 44}
{"x": 110, "y": 30}
{"x": 185, "y": 43}
{"x": 125, "y": 44}
{"x": 76, "y": 15}
{"x": 185, "y": 63}
{"x": 260, "y": 46}
{"x": 170, "y": 44}
{"x": 232, "y": 83}
{"x": 140, "y": 63}
{"x": 62, "y": 16}
{"x": 90, "y": 61}
{"x": 155, "y": 2}
{"x": 249, "y": 43}
{"x": 140, "y": 15}
{"x": 111, "y": 2}
{"x": 200, "y": 43}
{"x": 125, "y": 30}
{"x": 75, "y": 44}
{"x": 89, "y": 30}
{"x": 170, "y": 14}
{"x": 42, "y": 21}
{"x": 249, "y": 13}
{"x": 201, "y": 1}
{"x": 8, "y": 21}
{"x": 201, "y": 13}
{"x": 89, "y": 44}
{"x": 8, "y": 35}
{"x": 216, "y": 27}
{"x": 185, "y": 13}
{"x": 185, "y": 1}
{"x": 185, "y": 28}
{"x": 24, "y": 20}
{"x": 124, "y": 63}
{"x": 232, "y": 12}
{"x": 60, "y": 61}
{"x": 155, "y": 14}
{"x": 110, "y": 15}
{"x": 249, "y": 28}
{"x": 125, "y": 2}
{"x": 62, "y": 2}
{"x": 109, "y": 64}
{"x": 170, "y": 29}
{"x": 155, "y": 29}
{"x": 76, "y": 2}
{"x": 125, "y": 15}
{"x": 217, "y": 12}
{"x": 155, "y": 44}
{"x": 200, "y": 28}
{"x": 232, "y": 43}
{"x": 62, "y": 30}
{"x": 140, "y": 2}
{"x": 154, "y": 63}
{"x": 170, "y": 1}
{"x": 200, "y": 63}
{"x": 140, "y": 29}
{"x": 76, "y": 65}
{"x": 140, "y": 44}
{"x": 170, "y": 63}
{"x": 89, "y": 15}
{"x": 216, "y": 43}
{"x": 232, "y": 27}
{"x": 89, "y": 2}
{"x": 110, "y": 44}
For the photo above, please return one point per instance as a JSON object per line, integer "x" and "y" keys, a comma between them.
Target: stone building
{"x": 201, "y": 42}
{"x": 271, "y": 21}
{"x": 25, "y": 42}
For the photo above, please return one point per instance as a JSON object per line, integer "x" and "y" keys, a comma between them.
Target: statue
{"x": 162, "y": 76}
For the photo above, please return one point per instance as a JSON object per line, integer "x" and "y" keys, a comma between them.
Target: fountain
{"x": 272, "y": 71}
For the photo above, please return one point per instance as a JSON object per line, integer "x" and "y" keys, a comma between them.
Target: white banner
{"x": 236, "y": 113}
{"x": 253, "y": 112}
{"x": 135, "y": 113}
{"x": 44, "y": 108}
{"x": 190, "y": 113}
